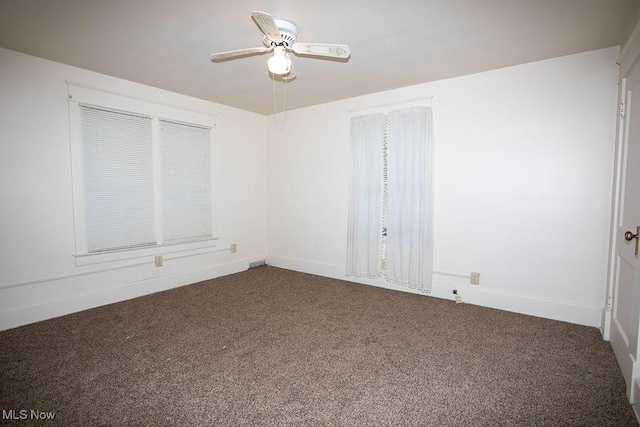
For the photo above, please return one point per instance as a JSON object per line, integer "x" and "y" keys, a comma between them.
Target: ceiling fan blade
{"x": 267, "y": 26}
{"x": 322, "y": 49}
{"x": 237, "y": 53}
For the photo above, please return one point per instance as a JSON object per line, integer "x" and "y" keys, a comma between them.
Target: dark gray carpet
{"x": 275, "y": 347}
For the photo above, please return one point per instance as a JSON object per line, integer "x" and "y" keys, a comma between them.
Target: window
{"x": 390, "y": 228}
{"x": 117, "y": 168}
{"x": 186, "y": 181}
{"x": 143, "y": 176}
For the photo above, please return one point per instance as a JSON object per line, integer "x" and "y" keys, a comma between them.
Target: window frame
{"x": 78, "y": 96}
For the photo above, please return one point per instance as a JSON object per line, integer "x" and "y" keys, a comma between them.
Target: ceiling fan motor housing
{"x": 288, "y": 31}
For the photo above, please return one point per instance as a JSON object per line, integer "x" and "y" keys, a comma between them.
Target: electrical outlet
{"x": 475, "y": 278}
{"x": 159, "y": 261}
{"x": 457, "y": 297}
{"x": 234, "y": 248}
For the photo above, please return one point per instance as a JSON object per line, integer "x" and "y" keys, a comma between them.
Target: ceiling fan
{"x": 279, "y": 36}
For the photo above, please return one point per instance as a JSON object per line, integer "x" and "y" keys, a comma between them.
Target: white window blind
{"x": 118, "y": 179}
{"x": 185, "y": 158}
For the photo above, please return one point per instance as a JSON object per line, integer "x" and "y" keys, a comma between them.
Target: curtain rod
{"x": 400, "y": 104}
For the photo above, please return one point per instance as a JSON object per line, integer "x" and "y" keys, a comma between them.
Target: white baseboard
{"x": 443, "y": 286}
{"x": 48, "y": 309}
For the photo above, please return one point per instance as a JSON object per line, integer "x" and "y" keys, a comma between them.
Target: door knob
{"x": 629, "y": 236}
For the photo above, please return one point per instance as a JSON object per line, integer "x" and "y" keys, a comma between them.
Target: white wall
{"x": 38, "y": 273}
{"x": 522, "y": 179}
{"x": 523, "y": 175}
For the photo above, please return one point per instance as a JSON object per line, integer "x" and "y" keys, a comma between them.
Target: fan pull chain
{"x": 284, "y": 105}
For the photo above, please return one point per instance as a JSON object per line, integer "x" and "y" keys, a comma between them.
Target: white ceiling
{"x": 167, "y": 43}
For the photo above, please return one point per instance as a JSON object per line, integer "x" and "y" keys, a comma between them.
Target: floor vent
{"x": 257, "y": 264}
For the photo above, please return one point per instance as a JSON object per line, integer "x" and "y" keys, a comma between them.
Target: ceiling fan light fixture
{"x": 279, "y": 63}
{"x": 280, "y": 36}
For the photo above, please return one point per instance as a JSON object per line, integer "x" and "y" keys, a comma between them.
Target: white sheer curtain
{"x": 364, "y": 232}
{"x": 409, "y": 258}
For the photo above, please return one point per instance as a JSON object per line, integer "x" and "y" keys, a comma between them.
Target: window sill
{"x": 128, "y": 254}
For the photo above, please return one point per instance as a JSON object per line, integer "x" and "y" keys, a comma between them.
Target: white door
{"x": 625, "y": 320}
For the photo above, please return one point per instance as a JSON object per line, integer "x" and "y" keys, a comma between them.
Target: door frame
{"x": 629, "y": 56}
